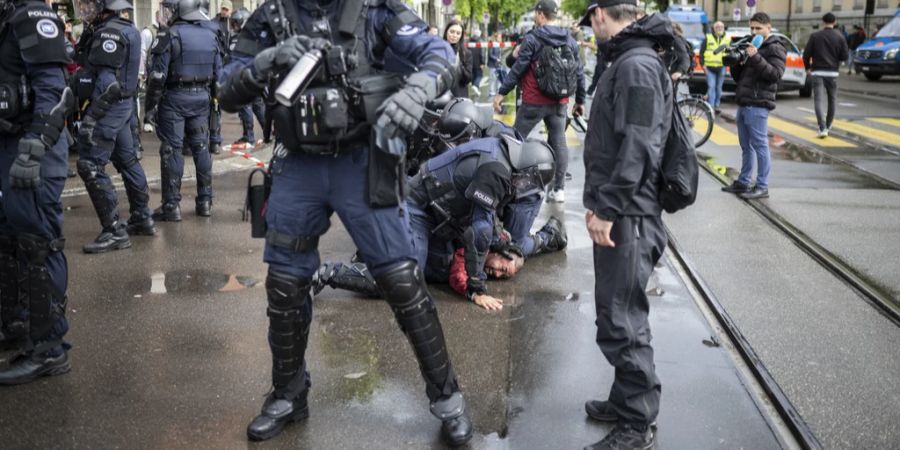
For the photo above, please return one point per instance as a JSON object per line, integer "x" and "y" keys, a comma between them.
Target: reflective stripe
{"x": 709, "y": 58}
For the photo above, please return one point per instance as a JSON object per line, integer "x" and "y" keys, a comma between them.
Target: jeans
{"x": 496, "y": 78}
{"x": 554, "y": 116}
{"x": 753, "y": 134}
{"x": 824, "y": 88}
{"x": 715, "y": 76}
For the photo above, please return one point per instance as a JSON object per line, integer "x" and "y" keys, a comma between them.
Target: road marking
{"x": 867, "y": 132}
{"x": 807, "y": 110}
{"x": 720, "y": 135}
{"x": 806, "y": 134}
{"x": 886, "y": 121}
{"x": 848, "y": 105}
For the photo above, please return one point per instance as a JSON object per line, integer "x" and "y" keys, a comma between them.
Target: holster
{"x": 255, "y": 203}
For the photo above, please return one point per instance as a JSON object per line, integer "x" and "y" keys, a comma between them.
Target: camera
{"x": 736, "y": 53}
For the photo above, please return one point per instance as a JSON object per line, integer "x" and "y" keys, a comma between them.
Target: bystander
{"x": 822, "y": 56}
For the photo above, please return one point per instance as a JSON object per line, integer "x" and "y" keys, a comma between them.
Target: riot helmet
{"x": 89, "y": 10}
{"x": 462, "y": 121}
{"x": 533, "y": 165}
{"x": 189, "y": 10}
{"x": 238, "y": 19}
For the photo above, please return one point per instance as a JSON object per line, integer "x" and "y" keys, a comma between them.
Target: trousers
{"x": 554, "y": 117}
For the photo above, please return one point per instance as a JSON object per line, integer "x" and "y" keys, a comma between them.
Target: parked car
{"x": 880, "y": 55}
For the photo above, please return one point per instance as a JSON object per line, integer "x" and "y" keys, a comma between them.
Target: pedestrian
{"x": 453, "y": 34}
{"x": 854, "y": 40}
{"x": 822, "y": 57}
{"x": 477, "y": 63}
{"x": 256, "y": 108}
{"x": 111, "y": 57}
{"x": 325, "y": 163}
{"x": 757, "y": 77}
{"x": 679, "y": 59}
{"x": 712, "y": 64}
{"x": 627, "y": 129}
{"x": 33, "y": 164}
{"x": 536, "y": 105}
{"x": 495, "y": 66}
{"x": 187, "y": 62}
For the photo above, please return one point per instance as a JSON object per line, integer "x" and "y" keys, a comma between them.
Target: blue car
{"x": 881, "y": 55}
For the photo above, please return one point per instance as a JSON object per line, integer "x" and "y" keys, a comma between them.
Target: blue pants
{"x": 715, "y": 77}
{"x": 518, "y": 218}
{"x": 114, "y": 142}
{"x": 306, "y": 190}
{"x": 184, "y": 121}
{"x": 753, "y": 133}
{"x": 259, "y": 110}
{"x": 37, "y": 213}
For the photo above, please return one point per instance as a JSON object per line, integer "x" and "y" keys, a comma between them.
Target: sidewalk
{"x": 886, "y": 87}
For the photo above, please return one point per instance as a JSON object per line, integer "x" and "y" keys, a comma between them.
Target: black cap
{"x": 586, "y": 20}
{"x": 829, "y": 18}
{"x": 547, "y": 6}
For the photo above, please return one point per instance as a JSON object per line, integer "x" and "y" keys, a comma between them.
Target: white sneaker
{"x": 822, "y": 134}
{"x": 477, "y": 90}
{"x": 556, "y": 196}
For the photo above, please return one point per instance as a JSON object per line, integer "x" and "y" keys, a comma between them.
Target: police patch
{"x": 154, "y": 44}
{"x": 486, "y": 199}
{"x": 407, "y": 30}
{"x": 640, "y": 109}
{"x": 109, "y": 46}
{"x": 47, "y": 28}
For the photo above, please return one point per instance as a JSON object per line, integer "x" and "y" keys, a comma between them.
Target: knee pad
{"x": 286, "y": 292}
{"x": 87, "y": 170}
{"x": 403, "y": 286}
{"x": 122, "y": 166}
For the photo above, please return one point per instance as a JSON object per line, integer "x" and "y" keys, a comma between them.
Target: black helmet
{"x": 89, "y": 10}
{"x": 117, "y": 5}
{"x": 239, "y": 18}
{"x": 462, "y": 120}
{"x": 190, "y": 10}
{"x": 533, "y": 165}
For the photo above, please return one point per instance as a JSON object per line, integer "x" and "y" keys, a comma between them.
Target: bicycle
{"x": 699, "y": 114}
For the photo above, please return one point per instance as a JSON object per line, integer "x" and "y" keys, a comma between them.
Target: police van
{"x": 693, "y": 20}
{"x": 880, "y": 55}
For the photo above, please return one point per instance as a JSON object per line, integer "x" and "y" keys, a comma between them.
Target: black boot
{"x": 115, "y": 238}
{"x": 13, "y": 336}
{"x": 456, "y": 426}
{"x": 288, "y": 335}
{"x": 12, "y": 330}
{"x": 275, "y": 414}
{"x": 554, "y": 236}
{"x": 352, "y": 277}
{"x": 141, "y": 226}
{"x": 204, "y": 208}
{"x": 167, "y": 212}
{"x": 27, "y": 368}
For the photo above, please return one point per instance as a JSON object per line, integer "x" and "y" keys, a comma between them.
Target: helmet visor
{"x": 527, "y": 182}
{"x": 88, "y": 10}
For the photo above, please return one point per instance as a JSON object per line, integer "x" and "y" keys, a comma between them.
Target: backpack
{"x": 679, "y": 170}
{"x": 556, "y": 71}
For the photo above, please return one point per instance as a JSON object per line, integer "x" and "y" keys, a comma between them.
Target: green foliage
{"x": 506, "y": 13}
{"x": 574, "y": 8}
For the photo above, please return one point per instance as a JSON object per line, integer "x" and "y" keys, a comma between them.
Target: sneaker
{"x": 822, "y": 134}
{"x": 556, "y": 196}
{"x": 476, "y": 90}
{"x": 756, "y": 193}
{"x": 113, "y": 238}
{"x": 736, "y": 188}
{"x": 624, "y": 437}
{"x": 167, "y": 212}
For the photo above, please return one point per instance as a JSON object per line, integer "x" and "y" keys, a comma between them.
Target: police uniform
{"x": 110, "y": 56}
{"x": 322, "y": 157}
{"x": 187, "y": 61}
{"x": 215, "y": 113}
{"x": 34, "y": 102}
{"x": 246, "y": 114}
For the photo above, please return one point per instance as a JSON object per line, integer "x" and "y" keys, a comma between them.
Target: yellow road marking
{"x": 886, "y": 121}
{"x": 867, "y": 132}
{"x": 720, "y": 136}
{"x": 806, "y": 134}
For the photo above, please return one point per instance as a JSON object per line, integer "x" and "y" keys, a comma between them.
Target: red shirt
{"x": 530, "y": 92}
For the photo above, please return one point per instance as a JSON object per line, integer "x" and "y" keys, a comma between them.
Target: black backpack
{"x": 556, "y": 71}
{"x": 678, "y": 166}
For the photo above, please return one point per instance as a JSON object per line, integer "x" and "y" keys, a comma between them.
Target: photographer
{"x": 757, "y": 70}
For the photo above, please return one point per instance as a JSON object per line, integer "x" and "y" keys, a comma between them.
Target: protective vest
{"x": 442, "y": 181}
{"x": 193, "y": 57}
{"x": 335, "y": 110}
{"x": 32, "y": 34}
{"x": 116, "y": 44}
{"x": 711, "y": 59}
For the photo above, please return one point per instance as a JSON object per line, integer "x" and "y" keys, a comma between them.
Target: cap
{"x": 829, "y": 18}
{"x": 548, "y": 6}
{"x": 225, "y": 4}
{"x": 586, "y": 20}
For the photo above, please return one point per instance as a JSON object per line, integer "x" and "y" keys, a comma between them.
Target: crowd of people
{"x": 463, "y": 213}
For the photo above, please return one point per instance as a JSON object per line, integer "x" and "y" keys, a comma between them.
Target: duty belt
{"x": 188, "y": 85}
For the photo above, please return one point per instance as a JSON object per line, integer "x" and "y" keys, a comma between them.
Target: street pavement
{"x": 169, "y": 351}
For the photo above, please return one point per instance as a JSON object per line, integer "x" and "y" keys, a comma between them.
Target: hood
{"x": 654, "y": 30}
{"x": 881, "y": 43}
{"x": 552, "y": 34}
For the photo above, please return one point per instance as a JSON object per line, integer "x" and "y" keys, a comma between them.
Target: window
{"x": 798, "y": 6}
{"x": 881, "y": 4}
{"x": 859, "y": 4}
{"x": 837, "y": 5}
{"x": 817, "y": 6}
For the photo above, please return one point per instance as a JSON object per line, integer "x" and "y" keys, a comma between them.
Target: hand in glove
{"x": 86, "y": 130}
{"x": 275, "y": 60}
{"x": 399, "y": 116}
{"x": 25, "y": 172}
{"x": 150, "y": 120}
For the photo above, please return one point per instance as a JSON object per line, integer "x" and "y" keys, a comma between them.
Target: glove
{"x": 25, "y": 172}
{"x": 275, "y": 60}
{"x": 399, "y": 116}
{"x": 86, "y": 130}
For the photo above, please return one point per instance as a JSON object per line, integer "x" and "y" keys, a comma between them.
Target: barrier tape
{"x": 490, "y": 44}
{"x": 237, "y": 150}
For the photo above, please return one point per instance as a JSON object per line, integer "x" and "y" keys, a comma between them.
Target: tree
{"x": 574, "y": 8}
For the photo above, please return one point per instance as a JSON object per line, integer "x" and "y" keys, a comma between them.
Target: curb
{"x": 810, "y": 149}
{"x": 879, "y": 95}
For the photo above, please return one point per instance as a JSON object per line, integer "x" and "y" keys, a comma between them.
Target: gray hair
{"x": 624, "y": 12}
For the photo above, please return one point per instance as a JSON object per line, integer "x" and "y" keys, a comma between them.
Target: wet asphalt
{"x": 170, "y": 351}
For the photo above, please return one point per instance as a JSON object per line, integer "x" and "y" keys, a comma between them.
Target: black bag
{"x": 679, "y": 170}
{"x": 556, "y": 71}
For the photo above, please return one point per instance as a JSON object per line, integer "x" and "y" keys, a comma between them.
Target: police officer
{"x": 257, "y": 108}
{"x": 33, "y": 165}
{"x": 219, "y": 25}
{"x": 186, "y": 63}
{"x": 110, "y": 54}
{"x": 323, "y": 154}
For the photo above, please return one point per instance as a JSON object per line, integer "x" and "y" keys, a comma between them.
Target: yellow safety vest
{"x": 710, "y": 59}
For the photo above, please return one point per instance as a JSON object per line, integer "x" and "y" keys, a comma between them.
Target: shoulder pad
{"x": 40, "y": 35}
{"x": 108, "y": 48}
{"x": 161, "y": 42}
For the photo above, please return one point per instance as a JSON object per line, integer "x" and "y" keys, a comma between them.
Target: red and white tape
{"x": 237, "y": 150}
{"x": 490, "y": 44}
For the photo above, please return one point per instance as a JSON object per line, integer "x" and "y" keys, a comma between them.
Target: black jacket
{"x": 825, "y": 50}
{"x": 465, "y": 70}
{"x": 758, "y": 78}
{"x": 679, "y": 57}
{"x": 628, "y": 124}
{"x": 530, "y": 46}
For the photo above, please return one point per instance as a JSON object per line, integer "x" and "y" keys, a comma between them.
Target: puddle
{"x": 198, "y": 281}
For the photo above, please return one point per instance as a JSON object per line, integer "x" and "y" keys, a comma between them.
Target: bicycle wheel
{"x": 700, "y": 117}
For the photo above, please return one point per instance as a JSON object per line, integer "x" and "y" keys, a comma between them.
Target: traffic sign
{"x": 736, "y": 14}
{"x": 487, "y": 17}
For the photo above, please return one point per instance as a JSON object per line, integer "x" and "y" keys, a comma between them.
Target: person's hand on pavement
{"x": 487, "y": 302}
